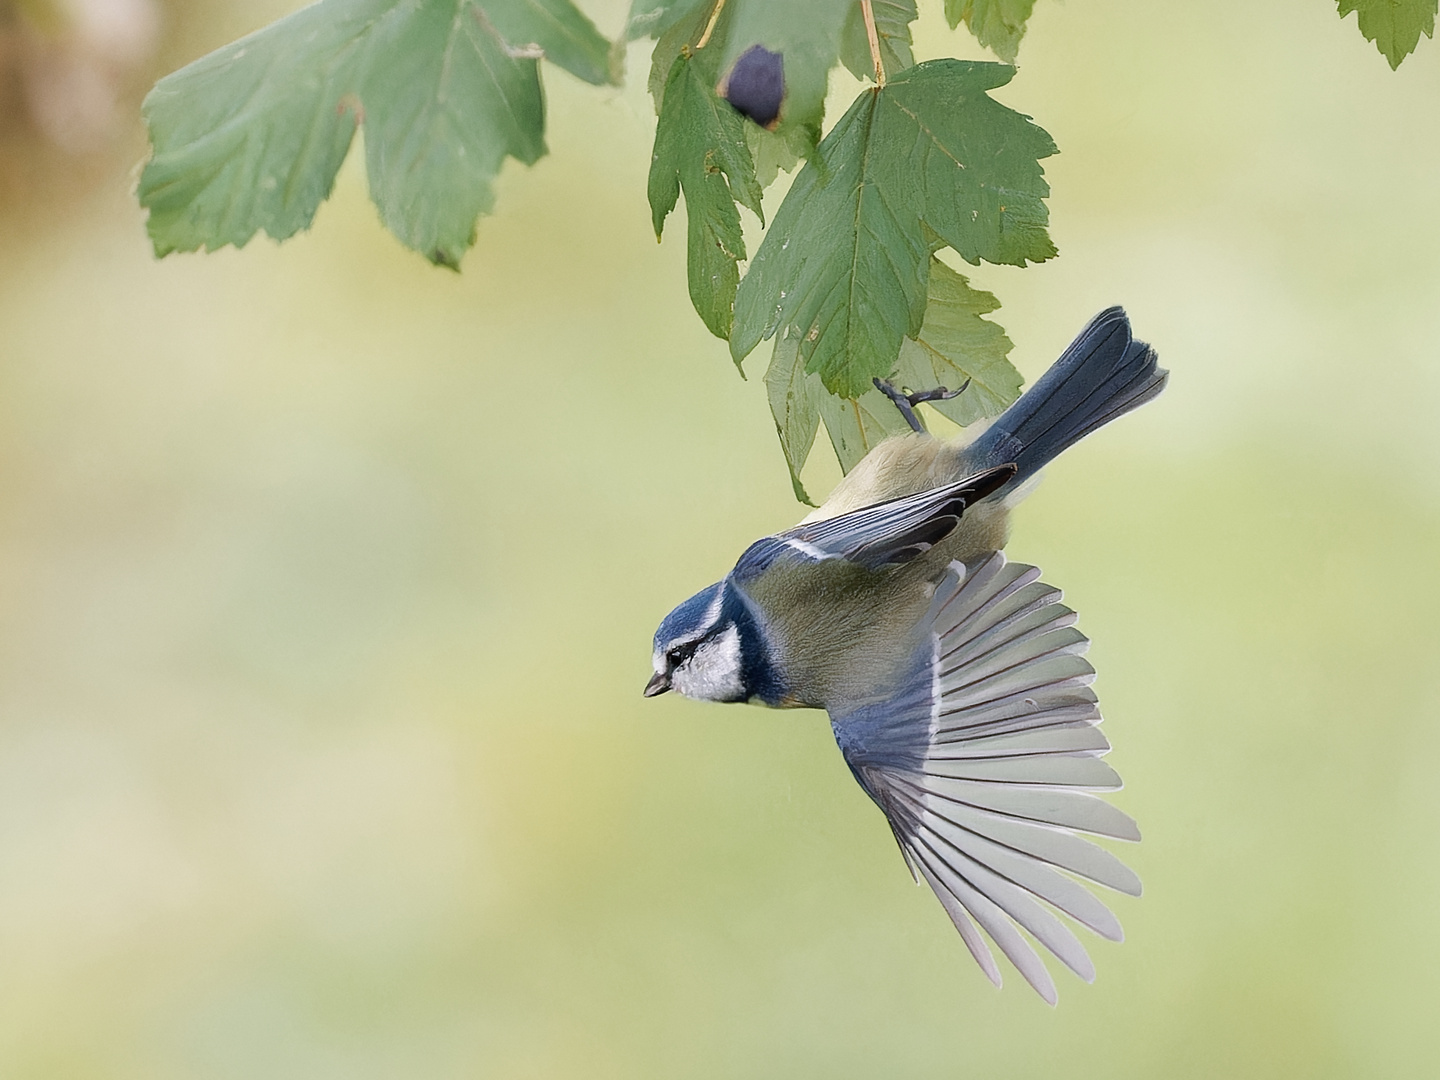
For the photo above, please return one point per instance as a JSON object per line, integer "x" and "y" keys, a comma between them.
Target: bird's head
{"x": 711, "y": 648}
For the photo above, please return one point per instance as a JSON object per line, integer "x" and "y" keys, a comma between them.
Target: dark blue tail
{"x": 1103, "y": 374}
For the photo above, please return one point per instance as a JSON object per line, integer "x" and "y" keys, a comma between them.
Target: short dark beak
{"x": 657, "y": 685}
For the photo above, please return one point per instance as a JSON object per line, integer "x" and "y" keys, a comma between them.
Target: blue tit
{"x": 955, "y": 680}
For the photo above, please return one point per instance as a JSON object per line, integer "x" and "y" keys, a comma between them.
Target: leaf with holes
{"x": 927, "y": 161}
{"x": 250, "y": 137}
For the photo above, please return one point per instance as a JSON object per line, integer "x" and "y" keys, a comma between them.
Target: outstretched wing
{"x": 984, "y": 759}
{"x": 882, "y": 535}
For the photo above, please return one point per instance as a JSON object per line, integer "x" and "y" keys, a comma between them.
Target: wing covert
{"x": 881, "y": 535}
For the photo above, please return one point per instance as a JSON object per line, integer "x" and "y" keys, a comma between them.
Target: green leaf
{"x": 651, "y": 18}
{"x": 892, "y": 27}
{"x": 775, "y": 152}
{"x": 1394, "y": 26}
{"x": 700, "y": 147}
{"x": 997, "y": 24}
{"x": 806, "y": 34}
{"x": 956, "y": 344}
{"x": 673, "y": 37}
{"x": 557, "y": 31}
{"x": 927, "y": 161}
{"x": 798, "y": 402}
{"x": 857, "y": 425}
{"x": 251, "y": 136}
{"x": 795, "y": 405}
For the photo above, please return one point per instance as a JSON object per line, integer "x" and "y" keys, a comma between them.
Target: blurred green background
{"x": 329, "y": 578}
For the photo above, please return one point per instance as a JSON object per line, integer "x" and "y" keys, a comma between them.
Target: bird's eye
{"x": 675, "y": 656}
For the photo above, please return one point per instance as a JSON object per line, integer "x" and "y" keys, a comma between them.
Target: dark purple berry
{"x": 755, "y": 86}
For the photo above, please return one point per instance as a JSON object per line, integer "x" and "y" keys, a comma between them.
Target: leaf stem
{"x": 868, "y": 12}
{"x": 715, "y": 18}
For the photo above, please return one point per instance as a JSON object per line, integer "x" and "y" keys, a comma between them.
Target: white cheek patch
{"x": 713, "y": 672}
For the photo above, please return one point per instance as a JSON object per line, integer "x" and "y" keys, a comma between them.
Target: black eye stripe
{"x": 678, "y": 654}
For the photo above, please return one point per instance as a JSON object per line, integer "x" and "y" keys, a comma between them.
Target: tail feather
{"x": 1103, "y": 374}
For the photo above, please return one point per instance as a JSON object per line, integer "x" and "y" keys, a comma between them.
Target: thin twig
{"x": 868, "y": 12}
{"x": 714, "y": 18}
